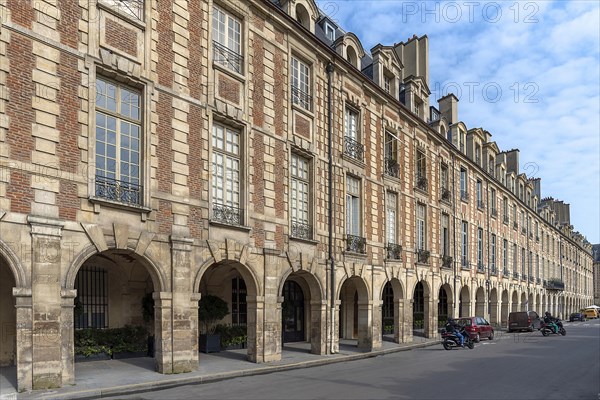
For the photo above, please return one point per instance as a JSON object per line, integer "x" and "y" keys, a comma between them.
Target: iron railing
{"x": 446, "y": 194}
{"x": 515, "y": 275}
{"x": 421, "y": 182}
{"x": 356, "y": 244}
{"x": 301, "y": 98}
{"x": 423, "y": 256}
{"x": 494, "y": 212}
{"x": 447, "y": 261}
{"x": 394, "y": 251}
{"x": 354, "y": 149}
{"x": 515, "y": 225}
{"x": 227, "y": 214}
{"x": 480, "y": 267}
{"x": 480, "y": 204}
{"x": 554, "y": 284}
{"x": 506, "y": 219}
{"x": 465, "y": 264}
{"x": 464, "y": 195}
{"x": 227, "y": 57}
{"x": 119, "y": 191}
{"x": 392, "y": 168}
{"x": 301, "y": 231}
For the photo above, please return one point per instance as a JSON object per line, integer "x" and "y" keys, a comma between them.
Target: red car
{"x": 477, "y": 327}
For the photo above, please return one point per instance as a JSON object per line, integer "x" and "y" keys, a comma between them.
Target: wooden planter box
{"x": 209, "y": 343}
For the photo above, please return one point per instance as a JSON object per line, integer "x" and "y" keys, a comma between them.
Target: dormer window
{"x": 329, "y": 31}
{"x": 302, "y": 16}
{"x": 417, "y": 107}
{"x": 478, "y": 154}
{"x": 387, "y": 84}
{"x": 351, "y": 56}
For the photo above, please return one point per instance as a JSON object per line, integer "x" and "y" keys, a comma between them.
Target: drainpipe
{"x": 330, "y": 208}
{"x": 456, "y": 303}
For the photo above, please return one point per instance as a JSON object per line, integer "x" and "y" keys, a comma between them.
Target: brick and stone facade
{"x": 154, "y": 216}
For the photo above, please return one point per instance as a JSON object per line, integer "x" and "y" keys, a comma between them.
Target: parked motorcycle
{"x": 547, "y": 329}
{"x": 450, "y": 340}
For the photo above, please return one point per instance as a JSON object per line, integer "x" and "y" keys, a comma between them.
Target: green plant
{"x": 109, "y": 341}
{"x": 78, "y": 309}
{"x": 231, "y": 335}
{"x": 211, "y": 309}
{"x": 148, "y": 307}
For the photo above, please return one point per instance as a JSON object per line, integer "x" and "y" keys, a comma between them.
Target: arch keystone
{"x": 95, "y": 235}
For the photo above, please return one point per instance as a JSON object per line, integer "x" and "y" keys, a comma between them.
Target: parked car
{"x": 477, "y": 327}
{"x": 591, "y": 313}
{"x": 577, "y": 317}
{"x": 523, "y": 320}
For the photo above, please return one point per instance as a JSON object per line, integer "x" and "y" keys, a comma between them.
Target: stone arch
{"x": 302, "y": 16}
{"x": 396, "y": 309}
{"x": 351, "y": 56}
{"x": 515, "y": 301}
{"x": 464, "y": 301}
{"x": 504, "y": 309}
{"x": 246, "y": 272}
{"x": 313, "y": 282}
{"x": 14, "y": 265}
{"x": 523, "y": 302}
{"x": 159, "y": 279}
{"x": 494, "y": 316}
{"x": 426, "y": 322}
{"x": 530, "y": 302}
{"x": 355, "y": 313}
{"x": 480, "y": 302}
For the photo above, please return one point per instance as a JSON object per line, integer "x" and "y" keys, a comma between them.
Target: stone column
{"x": 272, "y": 328}
{"x": 365, "y": 319}
{"x": 68, "y": 336}
{"x": 254, "y": 325}
{"x": 47, "y": 303}
{"x": 318, "y": 327}
{"x": 24, "y": 338}
{"x": 184, "y": 358}
{"x": 335, "y": 324}
{"x": 408, "y": 320}
{"x": 431, "y": 311}
{"x": 376, "y": 322}
{"x": 163, "y": 345}
{"x": 494, "y": 313}
{"x": 194, "y": 329}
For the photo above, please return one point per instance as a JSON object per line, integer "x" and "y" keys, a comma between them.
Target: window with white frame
{"x": 329, "y": 31}
{"x": 227, "y": 33}
{"x": 300, "y": 200}
{"x": 464, "y": 248}
{"x": 445, "y": 250}
{"x": 392, "y": 167}
{"x": 494, "y": 211}
{"x": 505, "y": 256}
{"x": 387, "y": 84}
{"x": 421, "y": 227}
{"x": 493, "y": 255}
{"x": 523, "y": 262}
{"x": 132, "y": 8}
{"x": 479, "y": 192}
{"x": 118, "y": 143}
{"x": 353, "y": 206}
{"x": 515, "y": 260}
{"x": 351, "y": 124}
{"x": 480, "y": 249}
{"x": 391, "y": 206}
{"x": 464, "y": 194}
{"x": 226, "y": 167}
{"x": 301, "y": 84}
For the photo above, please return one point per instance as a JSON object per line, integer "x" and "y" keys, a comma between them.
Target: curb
{"x": 197, "y": 380}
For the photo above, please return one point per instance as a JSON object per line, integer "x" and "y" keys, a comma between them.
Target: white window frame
{"x": 445, "y": 235}
{"x": 464, "y": 244}
{"x": 227, "y": 35}
{"x": 300, "y": 83}
{"x": 226, "y": 166}
{"x": 329, "y": 31}
{"x": 391, "y": 216}
{"x": 353, "y": 206}
{"x": 300, "y": 204}
{"x": 351, "y": 124}
{"x": 421, "y": 226}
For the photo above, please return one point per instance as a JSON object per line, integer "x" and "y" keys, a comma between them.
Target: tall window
{"x": 387, "y": 84}
{"x": 352, "y": 145}
{"x": 226, "y": 175}
{"x": 461, "y": 139}
{"x": 352, "y": 206}
{"x": 478, "y": 154}
{"x": 421, "y": 227}
{"x": 239, "y": 306}
{"x": 515, "y": 260}
{"x": 300, "y": 201}
{"x": 494, "y": 211}
{"x": 445, "y": 250}
{"x": 421, "y": 169}
{"x": 118, "y": 143}
{"x": 301, "y": 84}
{"x": 464, "y": 252}
{"x": 480, "y": 249}
{"x": 493, "y": 255}
{"x": 464, "y": 194}
{"x": 227, "y": 49}
{"x": 523, "y": 262}
{"x": 391, "y": 204}
{"x": 91, "y": 284}
{"x": 479, "y": 194}
{"x": 329, "y": 31}
{"x": 505, "y": 256}
{"x": 392, "y": 168}
{"x": 514, "y": 208}
{"x": 505, "y": 209}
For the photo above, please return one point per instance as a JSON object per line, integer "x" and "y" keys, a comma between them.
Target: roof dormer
{"x": 349, "y": 47}
{"x": 303, "y": 11}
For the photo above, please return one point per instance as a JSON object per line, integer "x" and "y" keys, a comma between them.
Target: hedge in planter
{"x": 129, "y": 339}
{"x": 232, "y": 336}
{"x": 211, "y": 309}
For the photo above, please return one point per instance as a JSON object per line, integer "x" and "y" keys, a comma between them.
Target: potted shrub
{"x": 211, "y": 310}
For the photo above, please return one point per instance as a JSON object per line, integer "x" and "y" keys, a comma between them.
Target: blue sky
{"x": 528, "y": 72}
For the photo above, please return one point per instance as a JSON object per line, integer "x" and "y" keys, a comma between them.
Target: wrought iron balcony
{"x": 531, "y": 278}
{"x": 464, "y": 195}
{"x": 354, "y": 149}
{"x": 493, "y": 270}
{"x": 480, "y": 204}
{"x": 538, "y": 281}
{"x": 446, "y": 194}
{"x": 530, "y": 235}
{"x": 523, "y": 230}
{"x": 537, "y": 238}
{"x": 423, "y": 256}
{"x": 554, "y": 284}
{"x": 447, "y": 261}
{"x": 480, "y": 267}
{"x": 227, "y": 58}
{"x": 227, "y": 214}
{"x": 506, "y": 219}
{"x": 356, "y": 244}
{"x": 505, "y": 272}
{"x": 465, "y": 264}
{"x": 494, "y": 212}
{"x": 515, "y": 225}
{"x": 421, "y": 182}
{"x": 301, "y": 98}
{"x": 392, "y": 168}
{"x": 516, "y": 275}
{"x": 119, "y": 191}
{"x": 394, "y": 251}
{"x": 301, "y": 231}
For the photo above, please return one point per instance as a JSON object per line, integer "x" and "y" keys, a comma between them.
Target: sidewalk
{"x": 95, "y": 379}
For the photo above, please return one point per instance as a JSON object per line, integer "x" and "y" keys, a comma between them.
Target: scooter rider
{"x": 549, "y": 320}
{"x": 452, "y": 326}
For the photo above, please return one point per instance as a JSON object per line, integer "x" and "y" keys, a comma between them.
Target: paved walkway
{"x": 95, "y": 379}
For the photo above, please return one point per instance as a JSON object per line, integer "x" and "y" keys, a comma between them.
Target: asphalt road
{"x": 512, "y": 366}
